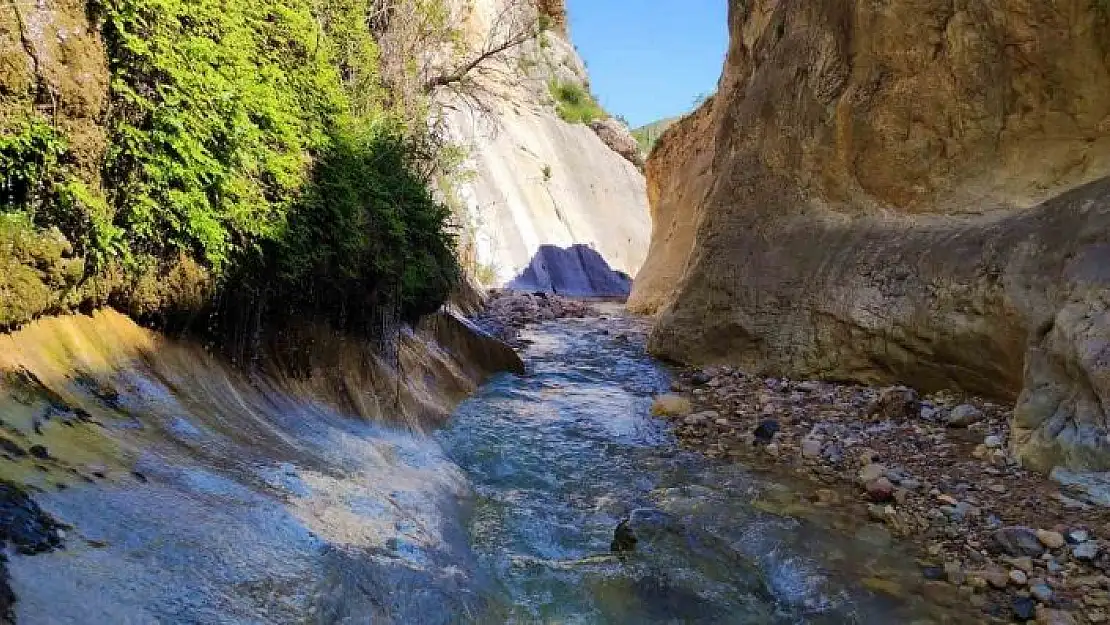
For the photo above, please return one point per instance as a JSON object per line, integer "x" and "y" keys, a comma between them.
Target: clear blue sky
{"x": 650, "y": 59}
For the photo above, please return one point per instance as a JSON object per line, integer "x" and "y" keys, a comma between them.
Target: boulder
{"x": 619, "y": 139}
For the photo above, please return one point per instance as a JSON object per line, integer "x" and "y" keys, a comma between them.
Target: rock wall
{"x": 539, "y": 182}
{"x": 901, "y": 191}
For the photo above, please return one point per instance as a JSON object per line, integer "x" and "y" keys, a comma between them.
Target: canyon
{"x": 910, "y": 192}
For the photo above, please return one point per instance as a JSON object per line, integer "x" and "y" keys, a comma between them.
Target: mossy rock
{"x": 38, "y": 272}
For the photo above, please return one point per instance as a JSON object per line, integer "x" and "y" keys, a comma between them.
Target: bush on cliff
{"x": 574, "y": 104}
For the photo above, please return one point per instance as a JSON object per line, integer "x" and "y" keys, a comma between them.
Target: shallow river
{"x": 505, "y": 516}
{"x": 558, "y": 458}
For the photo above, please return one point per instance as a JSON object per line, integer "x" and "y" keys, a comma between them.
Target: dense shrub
{"x": 249, "y": 149}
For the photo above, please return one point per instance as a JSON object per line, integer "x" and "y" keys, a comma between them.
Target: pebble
{"x": 811, "y": 448}
{"x": 1078, "y": 536}
{"x": 1018, "y": 577}
{"x": 1018, "y": 541}
{"x": 871, "y": 472}
{"x": 1024, "y": 608}
{"x": 700, "y": 378}
{"x": 699, "y": 418}
{"x": 964, "y": 415}
{"x": 878, "y": 513}
{"x": 996, "y": 576}
{"x": 933, "y": 573}
{"x": 880, "y": 490}
{"x": 1052, "y": 540}
{"x": 1085, "y": 551}
{"x": 766, "y": 430}
{"x": 1041, "y": 592}
{"x": 993, "y": 442}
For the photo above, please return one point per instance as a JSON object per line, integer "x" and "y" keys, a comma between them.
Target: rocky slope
{"x": 901, "y": 192}
{"x": 543, "y": 189}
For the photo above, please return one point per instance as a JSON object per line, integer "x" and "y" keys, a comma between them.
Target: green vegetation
{"x": 575, "y": 104}
{"x": 647, "y": 135}
{"x": 253, "y": 163}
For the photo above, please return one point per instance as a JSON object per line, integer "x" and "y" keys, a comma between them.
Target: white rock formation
{"x": 543, "y": 195}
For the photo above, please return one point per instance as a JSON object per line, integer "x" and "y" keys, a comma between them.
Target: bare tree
{"x": 424, "y": 46}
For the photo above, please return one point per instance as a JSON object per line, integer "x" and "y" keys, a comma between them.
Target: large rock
{"x": 547, "y": 200}
{"x": 619, "y": 139}
{"x": 901, "y": 192}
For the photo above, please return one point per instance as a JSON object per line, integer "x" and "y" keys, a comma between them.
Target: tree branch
{"x": 460, "y": 74}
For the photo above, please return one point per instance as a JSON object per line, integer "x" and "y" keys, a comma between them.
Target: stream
{"x": 558, "y": 458}
{"x": 244, "y": 509}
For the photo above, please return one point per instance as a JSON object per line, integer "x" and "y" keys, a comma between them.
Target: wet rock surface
{"x": 27, "y": 529}
{"x": 935, "y": 471}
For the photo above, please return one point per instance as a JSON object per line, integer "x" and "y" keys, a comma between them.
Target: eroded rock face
{"x": 543, "y": 189}
{"x": 905, "y": 191}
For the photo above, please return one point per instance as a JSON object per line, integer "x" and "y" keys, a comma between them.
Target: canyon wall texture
{"x": 541, "y": 189}
{"x": 909, "y": 191}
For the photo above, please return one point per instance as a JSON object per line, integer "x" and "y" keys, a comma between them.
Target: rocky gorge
{"x": 906, "y": 192}
{"x": 867, "y": 379}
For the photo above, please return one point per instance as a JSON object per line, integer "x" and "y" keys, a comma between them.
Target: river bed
{"x": 506, "y": 515}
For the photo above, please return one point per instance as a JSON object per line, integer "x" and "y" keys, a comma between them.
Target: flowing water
{"x": 558, "y": 458}
{"x": 504, "y": 516}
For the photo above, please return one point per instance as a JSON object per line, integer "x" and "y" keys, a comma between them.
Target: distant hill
{"x": 649, "y": 134}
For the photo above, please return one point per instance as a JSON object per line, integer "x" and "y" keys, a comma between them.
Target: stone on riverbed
{"x": 1092, "y": 487}
{"x": 964, "y": 415}
{"x": 1018, "y": 541}
{"x": 871, "y": 472}
{"x": 880, "y": 489}
{"x": 1052, "y": 540}
{"x": 766, "y": 431}
{"x": 898, "y": 402}
{"x": 1041, "y": 592}
{"x": 1024, "y": 608}
{"x": 1085, "y": 551}
{"x": 623, "y": 539}
{"x": 671, "y": 406}
{"x": 811, "y": 448}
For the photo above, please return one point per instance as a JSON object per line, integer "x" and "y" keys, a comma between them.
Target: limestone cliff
{"x": 549, "y": 203}
{"x": 901, "y": 191}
